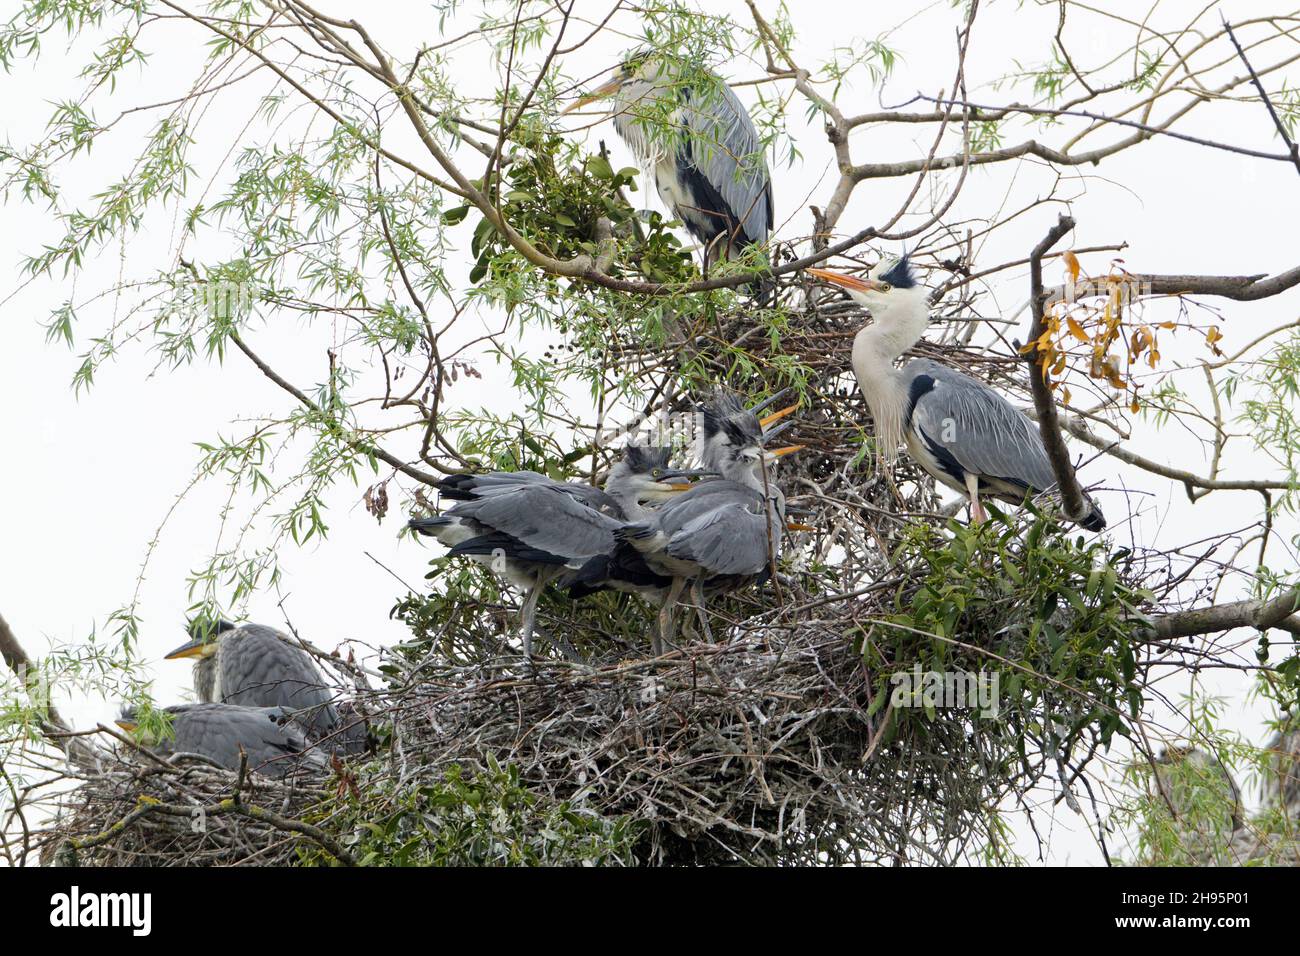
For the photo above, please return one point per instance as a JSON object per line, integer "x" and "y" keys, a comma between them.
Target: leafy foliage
{"x": 488, "y": 818}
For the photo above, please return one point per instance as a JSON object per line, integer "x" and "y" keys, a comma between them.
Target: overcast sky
{"x": 88, "y": 480}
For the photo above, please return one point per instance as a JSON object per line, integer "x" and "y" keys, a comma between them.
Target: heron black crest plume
{"x": 900, "y": 274}
{"x": 644, "y": 458}
{"x": 208, "y": 628}
{"x": 727, "y": 413}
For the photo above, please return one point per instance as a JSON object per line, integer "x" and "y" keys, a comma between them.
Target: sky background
{"x": 88, "y": 480}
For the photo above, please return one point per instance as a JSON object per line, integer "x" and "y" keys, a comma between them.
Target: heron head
{"x": 129, "y": 721}
{"x": 204, "y": 637}
{"x": 890, "y": 284}
{"x": 733, "y": 436}
{"x": 639, "y": 70}
{"x": 644, "y": 472}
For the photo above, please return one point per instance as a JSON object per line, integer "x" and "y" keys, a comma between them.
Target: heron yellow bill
{"x": 599, "y": 93}
{"x": 844, "y": 280}
{"x": 787, "y": 450}
{"x": 796, "y": 526}
{"x": 777, "y": 416}
{"x": 128, "y": 725}
{"x": 195, "y": 648}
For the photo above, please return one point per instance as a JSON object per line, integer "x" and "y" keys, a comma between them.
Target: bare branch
{"x": 1278, "y": 612}
{"x": 1048, "y": 426}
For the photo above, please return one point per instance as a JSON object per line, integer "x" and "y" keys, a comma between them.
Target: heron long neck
{"x": 206, "y": 680}
{"x": 875, "y": 350}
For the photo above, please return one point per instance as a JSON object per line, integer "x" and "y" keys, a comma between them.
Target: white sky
{"x": 86, "y": 481}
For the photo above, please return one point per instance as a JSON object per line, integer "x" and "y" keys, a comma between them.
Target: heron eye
{"x": 656, "y": 472}
{"x": 885, "y": 287}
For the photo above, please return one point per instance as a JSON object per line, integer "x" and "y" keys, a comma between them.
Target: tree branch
{"x": 360, "y": 444}
{"x": 1278, "y": 612}
{"x": 1237, "y": 288}
{"x": 1254, "y": 78}
{"x": 1049, "y": 427}
{"x": 1081, "y": 431}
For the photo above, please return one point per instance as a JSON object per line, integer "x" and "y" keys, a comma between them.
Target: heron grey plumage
{"x": 275, "y": 744}
{"x": 709, "y": 169}
{"x": 534, "y": 530}
{"x": 257, "y": 666}
{"x": 959, "y": 430}
{"x": 722, "y": 529}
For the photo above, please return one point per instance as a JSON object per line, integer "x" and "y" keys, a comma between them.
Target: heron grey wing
{"x": 702, "y": 499}
{"x": 980, "y": 429}
{"x": 219, "y": 731}
{"x": 511, "y": 482}
{"x": 259, "y": 669}
{"x": 727, "y": 151}
{"x": 729, "y": 539}
{"x": 720, "y": 526}
{"x": 547, "y": 519}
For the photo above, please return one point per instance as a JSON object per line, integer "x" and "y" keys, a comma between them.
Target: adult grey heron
{"x": 708, "y": 167}
{"x": 275, "y": 744}
{"x": 958, "y": 429}
{"x": 725, "y": 530}
{"x": 534, "y": 530}
{"x": 258, "y": 666}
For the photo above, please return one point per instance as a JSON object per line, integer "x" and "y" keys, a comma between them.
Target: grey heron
{"x": 257, "y": 666}
{"x": 959, "y": 430}
{"x": 710, "y": 169}
{"x": 724, "y": 530}
{"x": 625, "y": 569}
{"x": 534, "y": 530}
{"x": 274, "y": 743}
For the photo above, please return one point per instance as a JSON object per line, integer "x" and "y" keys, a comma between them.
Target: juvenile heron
{"x": 725, "y": 530}
{"x": 709, "y": 168}
{"x": 274, "y": 743}
{"x": 962, "y": 432}
{"x": 534, "y": 530}
{"x": 625, "y": 569}
{"x": 257, "y": 666}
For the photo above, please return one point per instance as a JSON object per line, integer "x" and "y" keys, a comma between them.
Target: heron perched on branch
{"x": 535, "y": 530}
{"x": 725, "y": 529}
{"x": 275, "y": 744}
{"x": 258, "y": 666}
{"x": 708, "y": 167}
{"x": 962, "y": 432}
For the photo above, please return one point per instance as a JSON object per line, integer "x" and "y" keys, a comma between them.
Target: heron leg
{"x": 697, "y": 595}
{"x": 665, "y": 635}
{"x": 977, "y": 513}
{"x": 529, "y": 617}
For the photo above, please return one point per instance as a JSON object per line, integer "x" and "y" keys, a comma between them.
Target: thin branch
{"x": 1254, "y": 78}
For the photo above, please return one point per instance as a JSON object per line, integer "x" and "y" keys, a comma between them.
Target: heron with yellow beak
{"x": 689, "y": 131}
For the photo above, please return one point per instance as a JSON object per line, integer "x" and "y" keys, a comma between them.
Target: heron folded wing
{"x": 979, "y": 429}
{"x": 726, "y": 150}
{"x": 219, "y": 731}
{"x": 259, "y": 669}
{"x": 546, "y": 518}
{"x": 729, "y": 539}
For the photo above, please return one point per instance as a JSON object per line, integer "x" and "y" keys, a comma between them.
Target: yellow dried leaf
{"x": 1065, "y": 395}
{"x": 1072, "y": 265}
{"x": 1076, "y": 329}
{"x": 1134, "y": 406}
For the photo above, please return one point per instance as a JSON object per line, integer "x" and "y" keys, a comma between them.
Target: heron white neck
{"x": 876, "y": 348}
